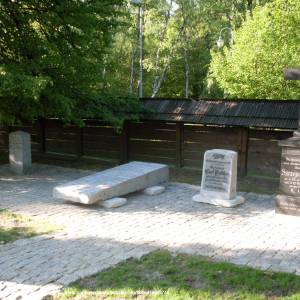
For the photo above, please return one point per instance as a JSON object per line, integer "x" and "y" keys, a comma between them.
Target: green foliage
{"x": 161, "y": 275}
{"x": 73, "y": 59}
{"x": 265, "y": 45}
{"x": 15, "y": 226}
{"x": 52, "y": 58}
{"x": 178, "y": 37}
{"x": 115, "y": 109}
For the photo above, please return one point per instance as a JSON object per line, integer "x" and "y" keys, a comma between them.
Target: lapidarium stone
{"x": 113, "y": 182}
{"x": 154, "y": 190}
{"x": 288, "y": 200}
{"x": 219, "y": 179}
{"x": 114, "y": 202}
{"x": 19, "y": 152}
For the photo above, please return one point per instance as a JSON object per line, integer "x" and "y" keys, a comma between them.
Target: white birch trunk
{"x": 157, "y": 61}
{"x": 134, "y": 52}
{"x": 187, "y": 72}
{"x": 161, "y": 78}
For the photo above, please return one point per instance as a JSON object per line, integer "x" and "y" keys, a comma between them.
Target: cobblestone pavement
{"x": 94, "y": 238}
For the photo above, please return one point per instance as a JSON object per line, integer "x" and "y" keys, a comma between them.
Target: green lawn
{"x": 160, "y": 275}
{"x": 15, "y": 226}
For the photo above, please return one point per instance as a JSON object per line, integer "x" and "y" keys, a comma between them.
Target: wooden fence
{"x": 176, "y": 144}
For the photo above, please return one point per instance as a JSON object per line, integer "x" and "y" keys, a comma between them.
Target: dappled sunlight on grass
{"x": 161, "y": 275}
{"x": 14, "y": 226}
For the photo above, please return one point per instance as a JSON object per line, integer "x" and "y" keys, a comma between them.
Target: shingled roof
{"x": 281, "y": 114}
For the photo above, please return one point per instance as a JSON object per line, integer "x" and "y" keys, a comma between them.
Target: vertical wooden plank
{"x": 6, "y": 137}
{"x": 41, "y": 134}
{"x": 179, "y": 145}
{"x": 124, "y": 143}
{"x": 79, "y": 142}
{"x": 243, "y": 153}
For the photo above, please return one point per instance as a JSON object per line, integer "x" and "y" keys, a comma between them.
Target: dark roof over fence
{"x": 281, "y": 114}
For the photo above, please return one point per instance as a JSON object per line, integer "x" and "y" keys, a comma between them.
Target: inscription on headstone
{"x": 288, "y": 200}
{"x": 19, "y": 151}
{"x": 290, "y": 172}
{"x": 219, "y": 178}
{"x": 216, "y": 172}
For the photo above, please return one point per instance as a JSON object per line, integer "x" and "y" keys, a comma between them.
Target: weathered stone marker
{"x": 19, "y": 152}
{"x": 219, "y": 177}
{"x": 288, "y": 200}
{"x": 114, "y": 182}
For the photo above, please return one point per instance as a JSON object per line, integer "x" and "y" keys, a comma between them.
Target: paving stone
{"x": 94, "y": 239}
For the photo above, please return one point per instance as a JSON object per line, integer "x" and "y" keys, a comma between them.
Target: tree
{"x": 266, "y": 44}
{"x": 178, "y": 38}
{"x": 52, "y": 60}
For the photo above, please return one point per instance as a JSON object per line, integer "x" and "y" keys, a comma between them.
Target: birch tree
{"x": 265, "y": 45}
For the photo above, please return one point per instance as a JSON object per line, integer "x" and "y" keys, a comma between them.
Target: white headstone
{"x": 19, "y": 151}
{"x": 219, "y": 177}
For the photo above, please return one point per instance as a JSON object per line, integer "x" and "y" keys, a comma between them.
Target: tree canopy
{"x": 51, "y": 59}
{"x": 266, "y": 44}
{"x": 75, "y": 59}
{"x": 178, "y": 38}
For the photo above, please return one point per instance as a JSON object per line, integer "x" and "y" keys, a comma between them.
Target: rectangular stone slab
{"x": 114, "y": 182}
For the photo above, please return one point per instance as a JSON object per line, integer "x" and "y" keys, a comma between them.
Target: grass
{"x": 161, "y": 275}
{"x": 14, "y": 227}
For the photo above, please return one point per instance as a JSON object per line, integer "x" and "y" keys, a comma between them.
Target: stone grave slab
{"x": 114, "y": 182}
{"x": 19, "y": 152}
{"x": 219, "y": 177}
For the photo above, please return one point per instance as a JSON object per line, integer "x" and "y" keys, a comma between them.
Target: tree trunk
{"x": 161, "y": 77}
{"x": 186, "y": 72}
{"x": 157, "y": 61}
{"x": 134, "y": 52}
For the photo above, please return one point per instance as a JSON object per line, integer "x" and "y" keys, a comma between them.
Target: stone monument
{"x": 113, "y": 182}
{"x": 288, "y": 199}
{"x": 219, "y": 177}
{"x": 19, "y": 152}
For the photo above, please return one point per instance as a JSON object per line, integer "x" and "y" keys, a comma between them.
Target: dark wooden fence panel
{"x": 32, "y": 130}
{"x": 3, "y": 140}
{"x": 60, "y": 139}
{"x": 152, "y": 141}
{"x": 197, "y": 139}
{"x": 264, "y": 154}
{"x": 101, "y": 141}
{"x": 176, "y": 144}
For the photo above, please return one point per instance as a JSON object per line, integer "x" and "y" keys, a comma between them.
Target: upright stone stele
{"x": 19, "y": 152}
{"x": 288, "y": 199}
{"x": 219, "y": 177}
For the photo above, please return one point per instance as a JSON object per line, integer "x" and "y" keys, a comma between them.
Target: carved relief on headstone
{"x": 219, "y": 178}
{"x": 19, "y": 151}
